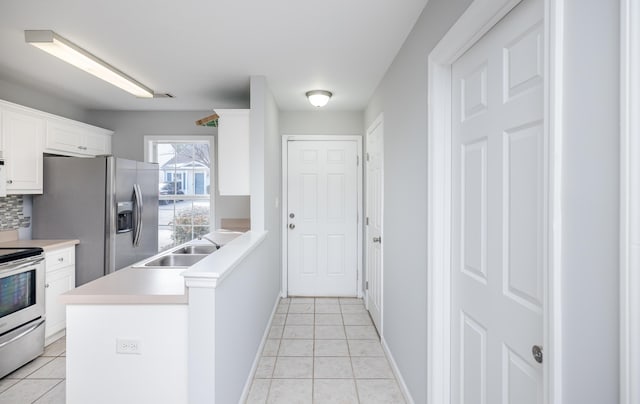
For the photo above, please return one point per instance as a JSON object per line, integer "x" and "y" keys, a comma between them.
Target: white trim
{"x": 553, "y": 107}
{"x": 247, "y": 385}
{"x": 629, "y": 200}
{"x": 285, "y": 189}
{"x": 377, "y": 122}
{"x": 396, "y": 371}
{"x": 476, "y": 21}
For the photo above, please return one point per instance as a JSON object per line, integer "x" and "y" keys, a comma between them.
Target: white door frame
{"x": 285, "y": 192}
{"x": 377, "y": 122}
{"x": 476, "y": 21}
{"x": 629, "y": 200}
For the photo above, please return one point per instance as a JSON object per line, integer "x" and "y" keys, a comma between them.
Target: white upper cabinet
{"x": 72, "y": 138}
{"x": 26, "y": 133}
{"x": 22, "y": 137}
{"x": 233, "y": 151}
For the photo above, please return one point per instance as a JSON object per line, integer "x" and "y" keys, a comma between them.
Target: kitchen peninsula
{"x": 145, "y": 334}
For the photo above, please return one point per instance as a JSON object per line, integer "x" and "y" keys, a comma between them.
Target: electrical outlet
{"x": 128, "y": 346}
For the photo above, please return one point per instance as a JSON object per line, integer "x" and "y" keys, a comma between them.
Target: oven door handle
{"x": 12, "y": 267}
{"x": 21, "y": 333}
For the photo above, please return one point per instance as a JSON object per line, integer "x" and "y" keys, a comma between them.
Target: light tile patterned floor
{"x": 323, "y": 350}
{"x": 40, "y": 381}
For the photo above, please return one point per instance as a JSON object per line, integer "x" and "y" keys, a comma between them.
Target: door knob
{"x": 292, "y": 226}
{"x": 377, "y": 239}
{"x": 537, "y": 353}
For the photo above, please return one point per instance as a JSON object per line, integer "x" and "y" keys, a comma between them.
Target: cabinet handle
{"x": 60, "y": 259}
{"x": 9, "y": 181}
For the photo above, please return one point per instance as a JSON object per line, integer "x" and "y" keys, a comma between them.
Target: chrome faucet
{"x": 218, "y": 246}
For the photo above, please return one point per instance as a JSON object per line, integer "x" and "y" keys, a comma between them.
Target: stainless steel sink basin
{"x": 177, "y": 260}
{"x": 195, "y": 249}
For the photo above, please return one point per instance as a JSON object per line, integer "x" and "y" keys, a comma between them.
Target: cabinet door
{"x": 233, "y": 152}
{"x": 97, "y": 144}
{"x": 75, "y": 139}
{"x": 23, "y": 138}
{"x": 57, "y": 282}
{"x": 63, "y": 138}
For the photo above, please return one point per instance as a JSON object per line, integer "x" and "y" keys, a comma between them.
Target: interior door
{"x": 498, "y": 210}
{"x": 322, "y": 218}
{"x": 373, "y": 221}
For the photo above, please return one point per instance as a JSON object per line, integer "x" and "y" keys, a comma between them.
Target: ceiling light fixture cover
{"x": 57, "y": 46}
{"x": 319, "y": 98}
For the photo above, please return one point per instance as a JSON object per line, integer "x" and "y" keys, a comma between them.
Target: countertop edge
{"x": 46, "y": 245}
{"x": 229, "y": 257}
{"x": 124, "y": 299}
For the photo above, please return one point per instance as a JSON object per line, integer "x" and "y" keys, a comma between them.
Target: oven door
{"x": 21, "y": 292}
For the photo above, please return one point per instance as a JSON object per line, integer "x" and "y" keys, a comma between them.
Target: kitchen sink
{"x": 195, "y": 249}
{"x": 176, "y": 260}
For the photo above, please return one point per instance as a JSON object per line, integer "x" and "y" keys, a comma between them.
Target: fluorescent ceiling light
{"x": 318, "y": 98}
{"x": 56, "y": 45}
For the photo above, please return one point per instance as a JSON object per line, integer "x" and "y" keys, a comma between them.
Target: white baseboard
{"x": 53, "y": 338}
{"x": 247, "y": 385}
{"x": 396, "y": 372}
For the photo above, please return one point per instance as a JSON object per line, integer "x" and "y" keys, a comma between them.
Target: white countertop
{"x": 133, "y": 285}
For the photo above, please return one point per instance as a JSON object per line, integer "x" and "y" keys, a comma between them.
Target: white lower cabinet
{"x": 60, "y": 277}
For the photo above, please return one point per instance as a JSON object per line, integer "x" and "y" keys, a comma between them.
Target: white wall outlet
{"x": 128, "y": 346}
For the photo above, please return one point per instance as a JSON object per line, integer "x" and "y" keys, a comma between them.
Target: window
{"x": 184, "y": 208}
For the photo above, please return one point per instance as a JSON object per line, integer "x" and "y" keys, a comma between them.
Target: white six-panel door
{"x": 322, "y": 218}
{"x": 373, "y": 240}
{"x": 499, "y": 213}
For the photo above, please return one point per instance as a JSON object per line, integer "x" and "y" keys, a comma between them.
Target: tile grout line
{"x": 353, "y": 372}
{"x": 46, "y": 392}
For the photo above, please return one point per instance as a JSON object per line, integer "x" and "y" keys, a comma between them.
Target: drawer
{"x": 60, "y": 258}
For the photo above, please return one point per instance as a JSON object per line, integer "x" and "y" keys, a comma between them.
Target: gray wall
{"x": 128, "y": 142}
{"x": 29, "y": 97}
{"x": 266, "y": 164}
{"x": 590, "y": 303}
{"x": 321, "y": 123}
{"x": 244, "y": 302}
{"x": 402, "y": 96}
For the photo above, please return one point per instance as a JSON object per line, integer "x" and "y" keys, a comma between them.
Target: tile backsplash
{"x": 12, "y": 215}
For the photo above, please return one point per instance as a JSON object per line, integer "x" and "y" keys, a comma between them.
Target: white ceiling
{"x": 203, "y": 51}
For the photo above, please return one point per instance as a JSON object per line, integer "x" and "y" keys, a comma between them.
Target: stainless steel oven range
{"x": 21, "y": 307}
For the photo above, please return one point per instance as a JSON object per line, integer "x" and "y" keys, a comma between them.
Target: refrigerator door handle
{"x": 139, "y": 208}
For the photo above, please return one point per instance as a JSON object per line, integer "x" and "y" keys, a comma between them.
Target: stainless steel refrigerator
{"x": 109, "y": 204}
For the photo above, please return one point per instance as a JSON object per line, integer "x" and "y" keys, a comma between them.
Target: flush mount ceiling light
{"x": 319, "y": 98}
{"x": 56, "y": 45}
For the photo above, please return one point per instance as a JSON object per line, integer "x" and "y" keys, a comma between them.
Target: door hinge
{"x": 366, "y": 285}
{"x": 367, "y": 221}
{"x": 357, "y": 160}
{"x": 367, "y": 156}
